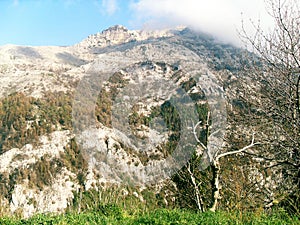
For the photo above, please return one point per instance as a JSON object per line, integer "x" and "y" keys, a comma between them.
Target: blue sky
{"x": 56, "y": 22}
{"x": 66, "y": 22}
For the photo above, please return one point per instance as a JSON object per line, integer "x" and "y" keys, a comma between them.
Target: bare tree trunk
{"x": 298, "y": 97}
{"x": 198, "y": 199}
{"x": 216, "y": 185}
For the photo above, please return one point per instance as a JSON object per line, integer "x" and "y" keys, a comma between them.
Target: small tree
{"x": 214, "y": 161}
{"x": 197, "y": 180}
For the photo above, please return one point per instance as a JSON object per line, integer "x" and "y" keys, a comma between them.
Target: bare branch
{"x": 240, "y": 150}
{"x": 195, "y": 135}
{"x": 195, "y": 132}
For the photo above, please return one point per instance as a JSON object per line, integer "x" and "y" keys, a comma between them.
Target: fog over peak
{"x": 220, "y": 18}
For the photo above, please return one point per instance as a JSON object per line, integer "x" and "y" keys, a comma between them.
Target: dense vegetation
{"x": 111, "y": 214}
{"x": 23, "y": 119}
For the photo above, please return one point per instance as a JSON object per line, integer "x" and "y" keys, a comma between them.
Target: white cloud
{"x": 15, "y": 3}
{"x": 221, "y": 18}
{"x": 109, "y": 6}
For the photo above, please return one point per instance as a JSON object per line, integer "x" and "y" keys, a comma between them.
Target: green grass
{"x": 115, "y": 215}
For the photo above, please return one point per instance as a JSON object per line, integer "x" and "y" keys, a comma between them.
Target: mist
{"x": 222, "y": 19}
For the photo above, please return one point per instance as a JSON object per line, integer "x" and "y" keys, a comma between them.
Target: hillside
{"x": 112, "y": 118}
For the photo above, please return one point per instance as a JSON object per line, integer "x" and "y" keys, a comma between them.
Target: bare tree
{"x": 274, "y": 96}
{"x": 215, "y": 165}
{"x": 265, "y": 105}
{"x": 269, "y": 90}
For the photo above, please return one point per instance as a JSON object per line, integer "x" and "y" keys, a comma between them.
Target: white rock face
{"x": 118, "y": 35}
{"x": 35, "y": 70}
{"x": 23, "y": 157}
{"x": 54, "y": 198}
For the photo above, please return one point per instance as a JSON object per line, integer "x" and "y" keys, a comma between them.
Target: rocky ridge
{"x": 139, "y": 69}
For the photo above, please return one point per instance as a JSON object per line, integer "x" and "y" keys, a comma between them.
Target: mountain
{"x": 115, "y": 110}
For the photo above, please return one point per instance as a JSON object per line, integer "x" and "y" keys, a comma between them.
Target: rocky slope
{"x": 116, "y": 108}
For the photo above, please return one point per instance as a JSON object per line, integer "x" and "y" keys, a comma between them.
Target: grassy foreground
{"x": 115, "y": 215}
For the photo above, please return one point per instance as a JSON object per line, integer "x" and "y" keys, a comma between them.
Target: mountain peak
{"x": 117, "y": 27}
{"x": 119, "y": 34}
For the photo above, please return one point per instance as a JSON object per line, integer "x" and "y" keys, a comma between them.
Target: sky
{"x": 66, "y": 22}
